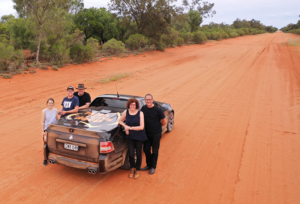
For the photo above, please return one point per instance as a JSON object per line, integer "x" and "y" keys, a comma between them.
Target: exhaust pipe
{"x": 52, "y": 161}
{"x": 92, "y": 170}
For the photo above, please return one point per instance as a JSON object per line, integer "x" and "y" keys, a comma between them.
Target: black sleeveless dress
{"x": 134, "y": 120}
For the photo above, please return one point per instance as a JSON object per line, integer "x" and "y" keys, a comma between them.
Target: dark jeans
{"x": 154, "y": 142}
{"x": 46, "y": 152}
{"x": 135, "y": 146}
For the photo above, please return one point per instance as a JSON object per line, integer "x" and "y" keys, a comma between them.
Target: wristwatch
{"x": 130, "y": 128}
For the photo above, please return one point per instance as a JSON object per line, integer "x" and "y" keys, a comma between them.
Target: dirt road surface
{"x": 236, "y": 137}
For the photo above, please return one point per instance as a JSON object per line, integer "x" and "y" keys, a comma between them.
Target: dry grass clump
{"x": 282, "y": 43}
{"x": 7, "y": 76}
{"x": 293, "y": 42}
{"x": 55, "y": 68}
{"x": 114, "y": 77}
{"x": 45, "y": 67}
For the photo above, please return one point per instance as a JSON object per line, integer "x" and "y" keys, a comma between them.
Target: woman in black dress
{"x": 136, "y": 135}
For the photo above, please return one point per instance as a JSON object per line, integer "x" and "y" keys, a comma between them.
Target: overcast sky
{"x": 277, "y": 13}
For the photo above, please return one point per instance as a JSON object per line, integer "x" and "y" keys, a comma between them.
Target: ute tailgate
{"x": 86, "y": 143}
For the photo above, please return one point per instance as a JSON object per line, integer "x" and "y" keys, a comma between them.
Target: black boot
{"x": 45, "y": 162}
{"x": 152, "y": 171}
{"x": 145, "y": 168}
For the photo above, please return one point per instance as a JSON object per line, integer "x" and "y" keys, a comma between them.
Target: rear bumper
{"x": 75, "y": 163}
{"x": 102, "y": 167}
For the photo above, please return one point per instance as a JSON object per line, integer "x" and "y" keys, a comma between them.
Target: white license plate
{"x": 71, "y": 147}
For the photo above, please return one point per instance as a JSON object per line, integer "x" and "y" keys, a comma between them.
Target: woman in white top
{"x": 49, "y": 116}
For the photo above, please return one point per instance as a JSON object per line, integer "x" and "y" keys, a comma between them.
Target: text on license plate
{"x": 71, "y": 147}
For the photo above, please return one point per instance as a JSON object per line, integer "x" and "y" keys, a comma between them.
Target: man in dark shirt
{"x": 84, "y": 97}
{"x": 154, "y": 119}
{"x": 69, "y": 104}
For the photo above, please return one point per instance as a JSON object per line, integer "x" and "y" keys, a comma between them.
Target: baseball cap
{"x": 70, "y": 87}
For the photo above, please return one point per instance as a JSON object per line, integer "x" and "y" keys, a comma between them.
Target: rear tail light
{"x": 106, "y": 147}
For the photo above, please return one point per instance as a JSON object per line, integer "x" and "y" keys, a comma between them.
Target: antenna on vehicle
{"x": 117, "y": 90}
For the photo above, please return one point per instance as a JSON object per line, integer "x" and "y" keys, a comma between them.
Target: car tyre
{"x": 170, "y": 122}
{"x": 126, "y": 164}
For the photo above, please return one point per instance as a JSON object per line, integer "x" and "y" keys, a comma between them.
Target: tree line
{"x": 63, "y": 31}
{"x": 292, "y": 28}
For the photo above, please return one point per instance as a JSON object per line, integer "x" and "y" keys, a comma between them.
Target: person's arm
{"x": 84, "y": 106}
{"x": 162, "y": 117}
{"x": 88, "y": 101}
{"x": 121, "y": 122}
{"x": 142, "y": 124}
{"x": 163, "y": 121}
{"x": 57, "y": 116}
{"x": 43, "y": 120}
{"x": 75, "y": 110}
{"x": 61, "y": 110}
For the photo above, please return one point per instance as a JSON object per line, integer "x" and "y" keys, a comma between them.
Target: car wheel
{"x": 126, "y": 164}
{"x": 170, "y": 122}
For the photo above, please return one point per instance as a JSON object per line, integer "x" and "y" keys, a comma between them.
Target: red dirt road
{"x": 236, "y": 137}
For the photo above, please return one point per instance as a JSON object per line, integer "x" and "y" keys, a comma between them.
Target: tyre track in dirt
{"x": 235, "y": 139}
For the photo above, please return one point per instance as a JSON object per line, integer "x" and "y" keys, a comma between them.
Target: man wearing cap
{"x": 70, "y": 103}
{"x": 84, "y": 97}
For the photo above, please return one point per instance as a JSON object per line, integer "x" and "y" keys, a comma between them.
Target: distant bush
{"x": 55, "y": 67}
{"x": 81, "y": 53}
{"x": 246, "y": 31}
{"x": 233, "y": 34}
{"x": 187, "y": 37}
{"x": 240, "y": 32}
{"x": 10, "y": 57}
{"x": 252, "y": 31}
{"x": 180, "y": 41}
{"x": 199, "y": 37}
{"x": 94, "y": 44}
{"x": 160, "y": 46}
{"x": 136, "y": 41}
{"x": 224, "y": 35}
{"x": 59, "y": 54}
{"x": 45, "y": 67}
{"x": 32, "y": 71}
{"x": 113, "y": 47}
{"x": 215, "y": 35}
{"x": 170, "y": 38}
{"x": 7, "y": 76}
{"x": 295, "y": 31}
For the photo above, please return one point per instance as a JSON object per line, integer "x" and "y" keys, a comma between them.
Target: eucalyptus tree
{"x": 151, "y": 17}
{"x": 39, "y": 9}
{"x": 195, "y": 20}
{"x": 97, "y": 23}
{"x": 205, "y": 8}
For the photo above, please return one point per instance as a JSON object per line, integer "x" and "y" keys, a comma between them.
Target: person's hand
{"x": 63, "y": 112}
{"x": 127, "y": 128}
{"x": 44, "y": 136}
{"x": 127, "y": 132}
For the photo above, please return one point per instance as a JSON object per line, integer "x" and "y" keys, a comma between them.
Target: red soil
{"x": 236, "y": 137}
